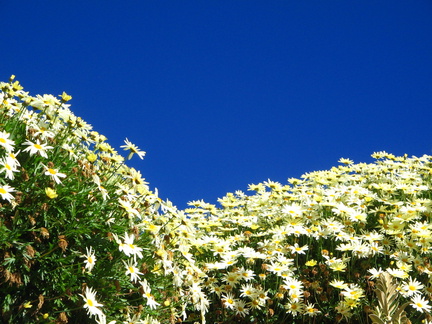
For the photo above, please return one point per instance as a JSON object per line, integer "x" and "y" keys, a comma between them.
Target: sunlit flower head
{"x": 293, "y": 210}
{"x": 133, "y": 149}
{"x": 132, "y": 270}
{"x": 51, "y": 193}
{"x": 5, "y": 142}
{"x": 296, "y": 249}
{"x": 292, "y": 284}
{"x": 353, "y": 292}
{"x": 91, "y": 304}
{"x": 345, "y": 161}
{"x": 240, "y": 308}
{"x": 420, "y": 304}
{"x": 310, "y": 310}
{"x": 37, "y": 148}
{"x": 90, "y": 259}
{"x": 54, "y": 174}
{"x": 5, "y": 192}
{"x": 311, "y": 263}
{"x": 229, "y": 300}
{"x": 9, "y": 167}
{"x": 375, "y": 273}
{"x": 339, "y": 284}
{"x": 129, "y": 248}
{"x": 412, "y": 287}
{"x": 295, "y": 307}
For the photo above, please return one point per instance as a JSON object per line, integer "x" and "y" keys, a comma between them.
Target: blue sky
{"x": 221, "y": 94}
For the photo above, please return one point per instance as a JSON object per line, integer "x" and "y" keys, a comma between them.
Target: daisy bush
{"x": 78, "y": 227}
{"x": 312, "y": 250}
{"x": 83, "y": 239}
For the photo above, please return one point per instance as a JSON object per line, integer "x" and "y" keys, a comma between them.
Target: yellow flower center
{"x": 2, "y": 191}
{"x": 52, "y": 171}
{"x": 90, "y": 302}
{"x": 39, "y": 147}
{"x": 2, "y": 140}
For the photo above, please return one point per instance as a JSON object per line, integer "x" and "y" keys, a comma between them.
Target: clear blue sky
{"x": 221, "y": 94}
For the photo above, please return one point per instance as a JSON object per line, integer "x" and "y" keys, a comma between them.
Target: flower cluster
{"x": 79, "y": 229}
{"x": 83, "y": 238}
{"x": 312, "y": 248}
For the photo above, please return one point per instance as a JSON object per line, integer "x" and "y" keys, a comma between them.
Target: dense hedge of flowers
{"x": 310, "y": 251}
{"x": 84, "y": 240}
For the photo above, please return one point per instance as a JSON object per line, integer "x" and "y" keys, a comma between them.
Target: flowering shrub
{"x": 84, "y": 240}
{"x": 78, "y": 227}
{"x": 311, "y": 250}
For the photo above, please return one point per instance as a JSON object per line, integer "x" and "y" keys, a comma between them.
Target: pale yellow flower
{"x": 51, "y": 193}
